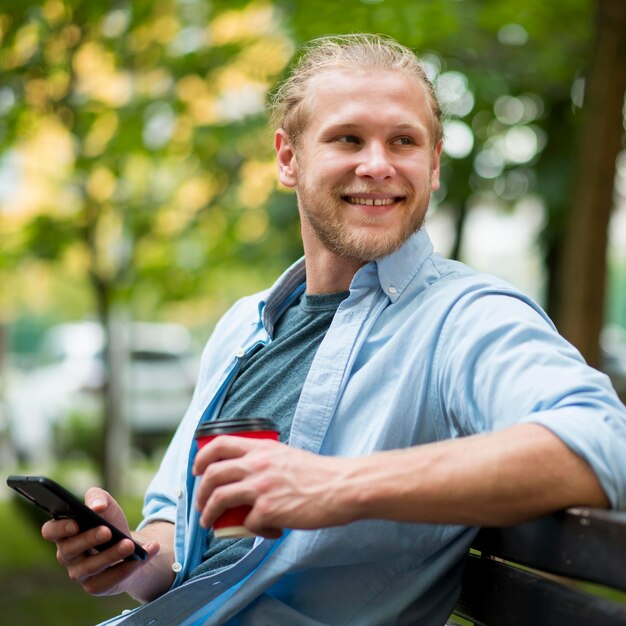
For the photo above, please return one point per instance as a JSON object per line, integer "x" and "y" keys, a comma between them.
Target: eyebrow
{"x": 399, "y": 126}
{"x": 414, "y": 127}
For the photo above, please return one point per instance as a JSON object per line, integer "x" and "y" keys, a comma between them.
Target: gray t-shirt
{"x": 269, "y": 384}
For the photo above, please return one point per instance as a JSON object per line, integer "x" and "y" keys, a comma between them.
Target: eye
{"x": 403, "y": 141}
{"x": 348, "y": 139}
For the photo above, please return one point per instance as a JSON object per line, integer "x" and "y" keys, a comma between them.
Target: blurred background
{"x": 138, "y": 200}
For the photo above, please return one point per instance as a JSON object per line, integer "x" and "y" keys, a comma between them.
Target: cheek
{"x": 420, "y": 173}
{"x": 328, "y": 176}
{"x": 331, "y": 164}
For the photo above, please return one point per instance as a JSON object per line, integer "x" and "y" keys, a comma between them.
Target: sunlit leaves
{"x": 131, "y": 118}
{"x": 151, "y": 113}
{"x": 98, "y": 78}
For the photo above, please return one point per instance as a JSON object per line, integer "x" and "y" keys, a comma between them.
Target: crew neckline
{"x": 322, "y": 302}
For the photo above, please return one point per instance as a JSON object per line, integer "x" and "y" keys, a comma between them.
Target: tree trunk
{"x": 115, "y": 441}
{"x": 583, "y": 264}
{"x": 459, "y": 231}
{"x": 554, "y": 184}
{"x": 116, "y": 430}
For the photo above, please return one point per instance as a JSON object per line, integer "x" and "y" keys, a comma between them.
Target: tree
{"x": 133, "y": 127}
{"x": 583, "y": 270}
{"x": 510, "y": 77}
{"x": 135, "y": 142}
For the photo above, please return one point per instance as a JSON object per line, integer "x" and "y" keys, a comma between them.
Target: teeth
{"x": 370, "y": 201}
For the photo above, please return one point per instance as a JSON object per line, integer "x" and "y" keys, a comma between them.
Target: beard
{"x": 371, "y": 237}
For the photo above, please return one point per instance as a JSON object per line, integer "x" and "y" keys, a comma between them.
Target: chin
{"x": 368, "y": 248}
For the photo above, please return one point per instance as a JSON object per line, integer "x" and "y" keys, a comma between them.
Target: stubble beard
{"x": 368, "y": 242}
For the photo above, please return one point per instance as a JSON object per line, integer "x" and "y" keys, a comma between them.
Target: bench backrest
{"x": 556, "y": 553}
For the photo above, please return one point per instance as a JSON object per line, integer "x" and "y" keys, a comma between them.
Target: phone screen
{"x": 59, "y": 503}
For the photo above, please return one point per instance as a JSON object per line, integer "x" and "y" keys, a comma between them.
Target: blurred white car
{"x": 158, "y": 374}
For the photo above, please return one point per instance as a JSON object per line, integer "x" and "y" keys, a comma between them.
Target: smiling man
{"x": 416, "y": 399}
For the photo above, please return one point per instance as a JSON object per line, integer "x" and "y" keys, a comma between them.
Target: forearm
{"x": 157, "y": 576}
{"x": 484, "y": 480}
{"x": 493, "y": 479}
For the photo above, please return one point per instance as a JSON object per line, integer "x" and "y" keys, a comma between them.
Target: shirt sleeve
{"x": 164, "y": 494}
{"x": 165, "y": 498}
{"x": 501, "y": 362}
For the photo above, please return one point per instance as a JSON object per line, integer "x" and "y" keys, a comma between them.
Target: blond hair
{"x": 287, "y": 101}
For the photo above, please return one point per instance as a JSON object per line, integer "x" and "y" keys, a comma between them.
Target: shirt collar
{"x": 398, "y": 269}
{"x": 288, "y": 287}
{"x": 394, "y": 271}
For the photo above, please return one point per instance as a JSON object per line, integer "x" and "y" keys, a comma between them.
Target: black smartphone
{"x": 59, "y": 503}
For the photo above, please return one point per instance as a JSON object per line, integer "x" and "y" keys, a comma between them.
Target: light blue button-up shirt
{"x": 423, "y": 349}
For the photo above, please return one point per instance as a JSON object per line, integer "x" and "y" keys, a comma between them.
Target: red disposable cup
{"x": 230, "y": 524}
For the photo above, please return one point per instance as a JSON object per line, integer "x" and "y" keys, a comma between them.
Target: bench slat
{"x": 581, "y": 543}
{"x": 496, "y": 594}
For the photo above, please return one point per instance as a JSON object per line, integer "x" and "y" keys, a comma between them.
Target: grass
{"x": 45, "y": 596}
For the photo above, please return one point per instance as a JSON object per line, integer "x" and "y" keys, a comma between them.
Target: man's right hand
{"x": 106, "y": 572}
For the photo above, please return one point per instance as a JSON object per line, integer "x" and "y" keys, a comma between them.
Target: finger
{"x": 105, "y": 505}
{"x": 216, "y": 475}
{"x": 55, "y": 530}
{"x": 223, "y": 498}
{"x": 221, "y": 448}
{"x": 98, "y": 499}
{"x": 89, "y": 565}
{"x": 258, "y": 523}
{"x": 110, "y": 578}
{"x": 76, "y": 546}
{"x": 104, "y": 572}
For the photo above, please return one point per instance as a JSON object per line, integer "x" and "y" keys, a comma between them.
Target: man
{"x": 419, "y": 398}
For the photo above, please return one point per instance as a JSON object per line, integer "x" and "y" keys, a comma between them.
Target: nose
{"x": 375, "y": 162}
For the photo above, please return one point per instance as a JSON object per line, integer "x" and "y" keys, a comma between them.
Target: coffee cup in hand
{"x": 231, "y": 523}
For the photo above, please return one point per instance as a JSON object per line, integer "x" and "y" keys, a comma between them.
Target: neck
{"x": 326, "y": 271}
{"x": 326, "y": 275}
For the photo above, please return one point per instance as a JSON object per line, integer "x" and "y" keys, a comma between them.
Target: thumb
{"x": 103, "y": 503}
{"x": 98, "y": 499}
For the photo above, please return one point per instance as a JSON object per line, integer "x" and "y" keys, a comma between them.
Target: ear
{"x": 436, "y": 166}
{"x": 286, "y": 157}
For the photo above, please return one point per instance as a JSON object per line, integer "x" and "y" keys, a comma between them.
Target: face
{"x": 365, "y": 165}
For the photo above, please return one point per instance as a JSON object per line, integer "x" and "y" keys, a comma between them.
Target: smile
{"x": 370, "y": 201}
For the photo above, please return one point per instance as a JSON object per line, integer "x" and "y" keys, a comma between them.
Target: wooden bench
{"x": 537, "y": 573}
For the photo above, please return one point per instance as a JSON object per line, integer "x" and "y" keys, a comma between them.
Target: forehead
{"x": 341, "y": 96}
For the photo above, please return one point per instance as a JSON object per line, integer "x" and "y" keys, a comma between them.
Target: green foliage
{"x": 147, "y": 115}
{"x": 78, "y": 435}
{"x": 28, "y": 549}
{"x": 502, "y": 49}
{"x": 47, "y": 237}
{"x": 164, "y": 177}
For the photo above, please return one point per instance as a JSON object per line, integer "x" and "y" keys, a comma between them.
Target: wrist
{"x": 157, "y": 576}
{"x": 363, "y": 490}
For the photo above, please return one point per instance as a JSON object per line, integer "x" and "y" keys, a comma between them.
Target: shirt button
{"x": 239, "y": 352}
{"x": 179, "y": 492}
{"x": 392, "y": 290}
{"x": 176, "y": 567}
